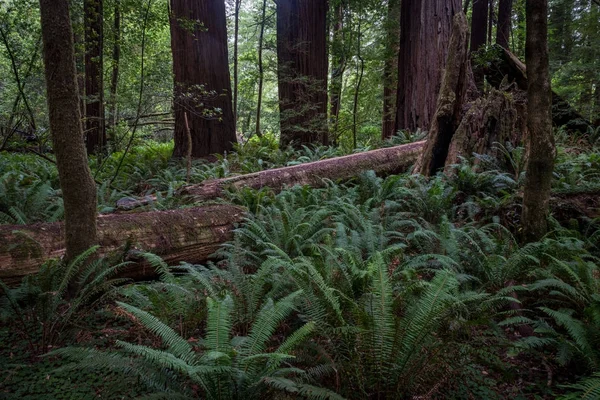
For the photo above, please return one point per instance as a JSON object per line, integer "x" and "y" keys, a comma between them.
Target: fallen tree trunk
{"x": 508, "y": 65}
{"x": 188, "y": 234}
{"x": 388, "y": 160}
{"x": 383, "y": 161}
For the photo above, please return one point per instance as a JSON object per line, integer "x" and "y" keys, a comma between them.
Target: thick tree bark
{"x": 116, "y": 60}
{"x": 261, "y": 74}
{"x": 382, "y": 161}
{"x": 78, "y": 186}
{"x": 202, "y": 82}
{"x": 94, "y": 83}
{"x": 188, "y": 234}
{"x": 450, "y": 101}
{"x": 425, "y": 27}
{"x": 390, "y": 70}
{"x": 504, "y": 23}
{"x": 302, "y": 71}
{"x": 540, "y": 141}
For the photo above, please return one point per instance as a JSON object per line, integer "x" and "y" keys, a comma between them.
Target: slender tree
{"x": 425, "y": 27}
{"x": 236, "y": 39}
{"x": 504, "y": 23}
{"x": 390, "y": 71}
{"x": 76, "y": 182}
{"x": 302, "y": 70}
{"x": 94, "y": 83}
{"x": 540, "y": 143}
{"x": 261, "y": 73}
{"x": 338, "y": 67}
{"x": 116, "y": 60}
{"x": 201, "y": 73}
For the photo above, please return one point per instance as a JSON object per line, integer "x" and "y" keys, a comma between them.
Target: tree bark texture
{"x": 540, "y": 147}
{"x": 390, "y": 71}
{"x": 383, "y": 161}
{"x": 450, "y": 101}
{"x": 425, "y": 27}
{"x": 491, "y": 119}
{"x": 78, "y": 186}
{"x": 188, "y": 234}
{"x": 201, "y": 74}
{"x": 302, "y": 71}
{"x": 94, "y": 83}
{"x": 504, "y": 23}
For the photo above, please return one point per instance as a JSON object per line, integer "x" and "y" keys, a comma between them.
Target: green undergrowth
{"x": 383, "y": 288}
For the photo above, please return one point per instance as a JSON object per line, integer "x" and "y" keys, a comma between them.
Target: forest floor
{"x": 395, "y": 287}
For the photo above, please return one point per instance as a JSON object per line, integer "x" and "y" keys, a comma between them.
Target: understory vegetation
{"x": 381, "y": 287}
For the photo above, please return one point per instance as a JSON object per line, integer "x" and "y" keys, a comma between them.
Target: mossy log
{"x": 383, "y": 161}
{"x": 507, "y": 65}
{"x": 188, "y": 234}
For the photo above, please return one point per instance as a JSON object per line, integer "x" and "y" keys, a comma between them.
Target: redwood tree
{"x": 201, "y": 74}
{"x": 425, "y": 27}
{"x": 504, "y": 23}
{"x": 76, "y": 182}
{"x": 94, "y": 86}
{"x": 479, "y": 24}
{"x": 540, "y": 142}
{"x": 302, "y": 70}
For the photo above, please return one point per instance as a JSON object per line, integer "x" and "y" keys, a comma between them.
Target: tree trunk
{"x": 261, "y": 74}
{"x": 450, "y": 102}
{"x": 236, "y": 35}
{"x": 479, "y": 26}
{"x": 504, "y": 23}
{"x": 540, "y": 143}
{"x": 390, "y": 69}
{"x": 425, "y": 27}
{"x": 188, "y": 234}
{"x": 302, "y": 71}
{"x": 78, "y": 186}
{"x": 94, "y": 84}
{"x": 383, "y": 161}
{"x": 201, "y": 74}
{"x": 360, "y": 71}
{"x": 116, "y": 59}
{"x": 490, "y": 120}
{"x": 338, "y": 67}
